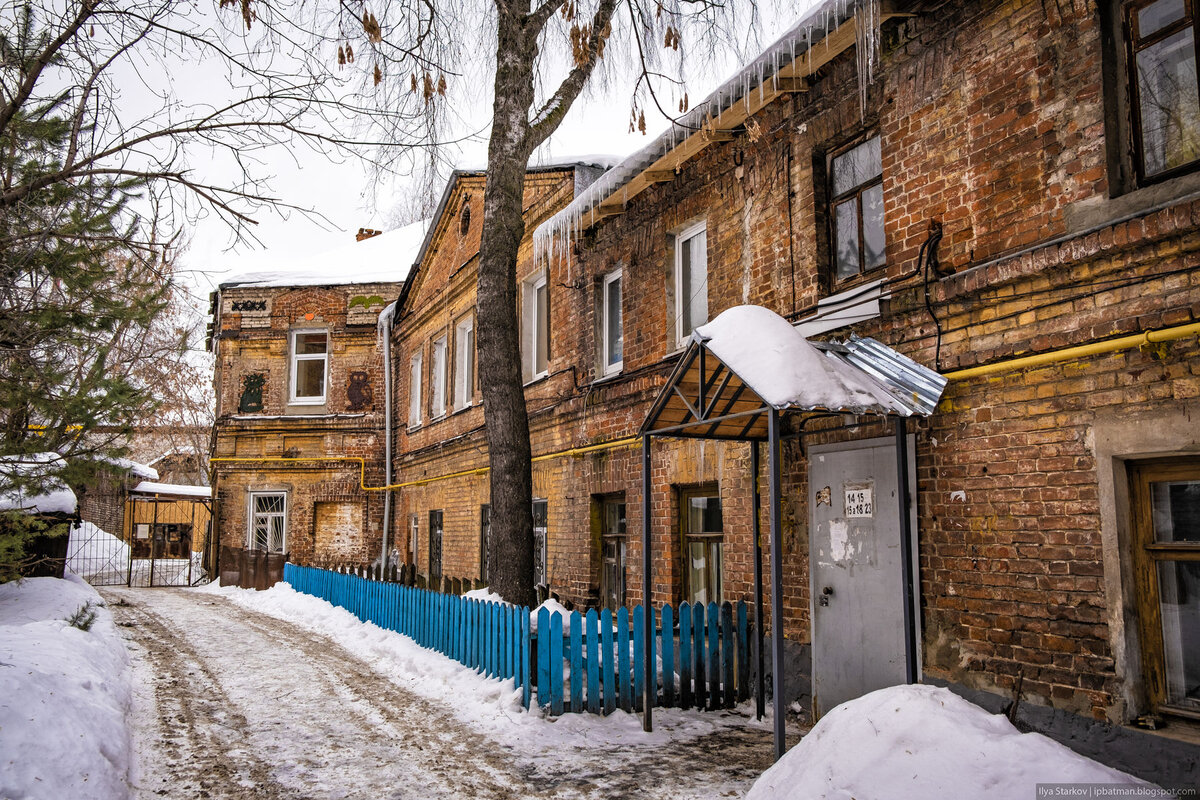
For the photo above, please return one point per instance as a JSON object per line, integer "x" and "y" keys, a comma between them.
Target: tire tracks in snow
{"x": 363, "y": 737}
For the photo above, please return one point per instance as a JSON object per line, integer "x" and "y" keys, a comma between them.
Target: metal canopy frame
{"x": 704, "y": 398}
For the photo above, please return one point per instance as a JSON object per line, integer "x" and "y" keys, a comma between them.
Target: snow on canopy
{"x": 182, "y": 490}
{"x": 385, "y": 258}
{"x": 55, "y": 498}
{"x": 786, "y": 370}
{"x": 917, "y": 742}
{"x": 143, "y": 471}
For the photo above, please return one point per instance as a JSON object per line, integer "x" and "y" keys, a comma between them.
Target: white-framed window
{"x": 309, "y": 367}
{"x": 691, "y": 281}
{"x": 414, "y": 531}
{"x": 464, "y": 362}
{"x": 535, "y": 330}
{"x": 414, "y": 391}
{"x": 267, "y": 526}
{"x": 612, "y": 324}
{"x": 437, "y": 377}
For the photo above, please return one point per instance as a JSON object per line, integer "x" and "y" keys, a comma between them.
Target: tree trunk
{"x": 510, "y": 549}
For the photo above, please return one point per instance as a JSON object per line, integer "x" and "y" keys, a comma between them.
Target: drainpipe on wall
{"x": 385, "y": 329}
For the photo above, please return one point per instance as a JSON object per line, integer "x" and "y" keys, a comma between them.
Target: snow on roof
{"x": 140, "y": 470}
{"x": 55, "y": 498}
{"x": 150, "y": 487}
{"x": 803, "y": 36}
{"x": 785, "y": 369}
{"x": 540, "y": 162}
{"x": 917, "y": 742}
{"x": 385, "y": 258}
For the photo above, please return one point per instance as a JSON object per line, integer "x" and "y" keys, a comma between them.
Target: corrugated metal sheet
{"x": 918, "y": 389}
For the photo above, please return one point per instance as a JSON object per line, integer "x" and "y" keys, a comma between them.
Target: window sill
{"x": 536, "y": 379}
{"x": 461, "y": 409}
{"x": 611, "y": 377}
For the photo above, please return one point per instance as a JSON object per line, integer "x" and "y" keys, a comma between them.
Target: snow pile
{"x": 55, "y": 497}
{"x": 554, "y": 607}
{"x": 97, "y": 556}
{"x": 785, "y": 369}
{"x": 486, "y": 595}
{"x": 490, "y": 706}
{"x": 918, "y": 742}
{"x": 64, "y": 695}
{"x": 385, "y": 258}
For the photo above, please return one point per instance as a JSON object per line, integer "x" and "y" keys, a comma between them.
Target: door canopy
{"x": 750, "y": 360}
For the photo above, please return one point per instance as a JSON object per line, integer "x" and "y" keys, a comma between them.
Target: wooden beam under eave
{"x": 789, "y": 85}
{"x": 606, "y": 210}
{"x": 659, "y": 175}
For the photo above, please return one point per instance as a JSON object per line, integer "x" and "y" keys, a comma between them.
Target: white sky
{"x": 598, "y": 123}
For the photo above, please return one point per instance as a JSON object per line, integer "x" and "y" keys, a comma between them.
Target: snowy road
{"x": 231, "y": 703}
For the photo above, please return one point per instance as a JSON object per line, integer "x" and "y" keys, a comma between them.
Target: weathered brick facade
{"x": 317, "y": 453}
{"x": 996, "y": 122}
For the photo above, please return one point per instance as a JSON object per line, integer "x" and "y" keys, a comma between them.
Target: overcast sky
{"x": 341, "y": 192}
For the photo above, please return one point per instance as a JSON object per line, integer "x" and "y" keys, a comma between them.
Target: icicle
{"x": 866, "y": 45}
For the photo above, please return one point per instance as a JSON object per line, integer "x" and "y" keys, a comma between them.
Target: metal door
{"x": 856, "y": 589}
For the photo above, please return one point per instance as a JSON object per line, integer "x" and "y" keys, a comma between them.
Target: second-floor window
{"x": 613, "y": 331}
{"x": 464, "y": 362}
{"x": 414, "y": 391}
{"x": 437, "y": 377}
{"x": 535, "y": 327}
{"x": 1165, "y": 98}
{"x": 691, "y": 281}
{"x": 310, "y": 366}
{"x": 856, "y": 199}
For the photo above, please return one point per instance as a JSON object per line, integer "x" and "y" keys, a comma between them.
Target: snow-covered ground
{"x": 64, "y": 695}
{"x": 919, "y": 742}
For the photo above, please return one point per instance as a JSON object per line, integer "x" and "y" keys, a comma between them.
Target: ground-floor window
{"x": 435, "y": 545}
{"x": 485, "y": 534}
{"x": 540, "y": 578}
{"x": 702, "y": 531}
{"x": 612, "y": 550}
{"x": 1166, "y": 523}
{"x": 268, "y": 522}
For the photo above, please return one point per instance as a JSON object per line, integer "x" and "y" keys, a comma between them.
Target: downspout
{"x": 385, "y": 329}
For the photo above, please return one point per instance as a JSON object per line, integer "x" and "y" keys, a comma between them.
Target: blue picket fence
{"x": 699, "y": 655}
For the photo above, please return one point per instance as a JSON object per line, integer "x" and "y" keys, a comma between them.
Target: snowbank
{"x": 64, "y": 695}
{"x": 554, "y": 607}
{"x": 487, "y": 705}
{"x": 918, "y": 742}
{"x": 486, "y": 595}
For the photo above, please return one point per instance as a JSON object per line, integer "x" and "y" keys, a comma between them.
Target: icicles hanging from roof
{"x": 866, "y": 47}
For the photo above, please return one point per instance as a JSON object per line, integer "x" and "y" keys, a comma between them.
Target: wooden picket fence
{"x": 700, "y": 655}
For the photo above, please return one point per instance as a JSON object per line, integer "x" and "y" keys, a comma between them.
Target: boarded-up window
{"x": 339, "y": 530}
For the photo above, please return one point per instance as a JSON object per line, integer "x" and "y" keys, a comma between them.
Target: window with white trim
{"x": 267, "y": 528}
{"x": 437, "y": 377}
{"x": 464, "y": 362}
{"x": 691, "y": 281}
{"x": 535, "y": 327}
{"x": 309, "y": 367}
{"x": 612, "y": 341}
{"x": 414, "y": 391}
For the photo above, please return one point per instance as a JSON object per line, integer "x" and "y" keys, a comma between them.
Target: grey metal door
{"x": 856, "y": 590}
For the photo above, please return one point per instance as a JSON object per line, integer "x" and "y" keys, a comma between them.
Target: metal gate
{"x": 167, "y": 552}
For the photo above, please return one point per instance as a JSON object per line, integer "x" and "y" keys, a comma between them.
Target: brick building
{"x": 298, "y": 447}
{"x": 984, "y": 187}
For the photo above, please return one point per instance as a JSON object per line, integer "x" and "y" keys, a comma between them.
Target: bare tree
{"x": 541, "y": 56}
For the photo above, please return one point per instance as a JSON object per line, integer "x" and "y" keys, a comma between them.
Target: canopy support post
{"x": 906, "y": 541}
{"x": 776, "y": 582}
{"x": 760, "y": 680}
{"x": 651, "y": 690}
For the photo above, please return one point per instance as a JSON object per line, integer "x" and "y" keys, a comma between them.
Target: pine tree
{"x": 82, "y": 282}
